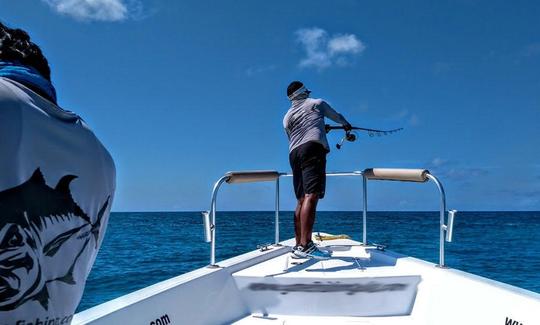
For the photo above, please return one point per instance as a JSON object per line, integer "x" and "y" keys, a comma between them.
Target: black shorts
{"x": 308, "y": 163}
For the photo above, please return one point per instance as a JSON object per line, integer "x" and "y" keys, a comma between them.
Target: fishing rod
{"x": 351, "y": 137}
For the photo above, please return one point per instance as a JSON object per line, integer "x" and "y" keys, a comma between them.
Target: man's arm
{"x": 329, "y": 112}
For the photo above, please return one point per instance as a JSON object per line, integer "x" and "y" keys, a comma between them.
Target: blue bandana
{"x": 28, "y": 76}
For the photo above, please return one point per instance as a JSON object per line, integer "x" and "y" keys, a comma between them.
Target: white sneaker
{"x": 311, "y": 251}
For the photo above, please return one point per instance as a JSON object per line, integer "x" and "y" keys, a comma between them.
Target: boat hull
{"x": 354, "y": 287}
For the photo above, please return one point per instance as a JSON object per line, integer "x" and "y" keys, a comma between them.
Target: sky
{"x": 181, "y": 92}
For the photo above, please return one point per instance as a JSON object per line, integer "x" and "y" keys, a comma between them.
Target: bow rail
{"x": 387, "y": 174}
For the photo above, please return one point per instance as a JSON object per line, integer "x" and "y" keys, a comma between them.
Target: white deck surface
{"x": 356, "y": 281}
{"x": 349, "y": 259}
{"x": 430, "y": 290}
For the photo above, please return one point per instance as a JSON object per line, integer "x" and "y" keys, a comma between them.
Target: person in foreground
{"x": 305, "y": 128}
{"x": 56, "y": 188}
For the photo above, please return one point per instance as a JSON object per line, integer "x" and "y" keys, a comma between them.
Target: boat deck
{"x": 358, "y": 281}
{"x": 349, "y": 259}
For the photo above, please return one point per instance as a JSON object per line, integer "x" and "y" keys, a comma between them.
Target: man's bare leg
{"x": 297, "y": 224}
{"x": 307, "y": 217}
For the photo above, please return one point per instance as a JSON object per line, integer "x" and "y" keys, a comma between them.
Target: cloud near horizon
{"x": 323, "y": 51}
{"x": 456, "y": 170}
{"x": 98, "y": 10}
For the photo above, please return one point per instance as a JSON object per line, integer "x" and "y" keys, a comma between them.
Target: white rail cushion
{"x": 252, "y": 176}
{"x": 396, "y": 174}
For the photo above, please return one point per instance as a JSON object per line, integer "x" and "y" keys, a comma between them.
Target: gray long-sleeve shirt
{"x": 56, "y": 190}
{"x": 304, "y": 121}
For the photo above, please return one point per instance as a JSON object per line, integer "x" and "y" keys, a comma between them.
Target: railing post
{"x": 277, "y": 212}
{"x": 213, "y": 225}
{"x": 213, "y": 229}
{"x": 364, "y": 232}
{"x": 442, "y": 225}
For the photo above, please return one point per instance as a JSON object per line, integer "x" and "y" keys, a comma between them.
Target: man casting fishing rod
{"x": 305, "y": 127}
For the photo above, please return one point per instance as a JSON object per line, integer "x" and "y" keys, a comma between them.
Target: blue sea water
{"x": 141, "y": 249}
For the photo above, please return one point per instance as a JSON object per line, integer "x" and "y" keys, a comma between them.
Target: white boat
{"x": 361, "y": 284}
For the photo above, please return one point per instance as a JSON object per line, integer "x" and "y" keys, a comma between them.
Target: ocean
{"x": 143, "y": 248}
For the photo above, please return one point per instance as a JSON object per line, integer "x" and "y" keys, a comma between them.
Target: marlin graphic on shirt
{"x": 43, "y": 232}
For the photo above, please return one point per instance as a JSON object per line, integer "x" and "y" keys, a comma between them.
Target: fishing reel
{"x": 349, "y": 136}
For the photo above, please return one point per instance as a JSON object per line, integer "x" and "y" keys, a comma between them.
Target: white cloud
{"x": 322, "y": 51}
{"x": 313, "y": 40}
{"x": 251, "y": 71}
{"x": 456, "y": 170}
{"x": 413, "y": 120}
{"x": 440, "y": 68}
{"x": 101, "y": 10}
{"x": 437, "y": 162}
{"x": 345, "y": 44}
{"x": 531, "y": 50}
{"x": 410, "y": 118}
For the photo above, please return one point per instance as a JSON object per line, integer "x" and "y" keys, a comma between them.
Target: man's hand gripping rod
{"x": 352, "y": 137}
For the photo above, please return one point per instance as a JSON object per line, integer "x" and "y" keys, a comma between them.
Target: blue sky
{"x": 182, "y": 91}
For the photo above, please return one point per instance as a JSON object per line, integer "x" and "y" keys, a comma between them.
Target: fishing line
{"x": 351, "y": 136}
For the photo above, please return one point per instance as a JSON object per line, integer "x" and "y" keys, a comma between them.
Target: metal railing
{"x": 406, "y": 175}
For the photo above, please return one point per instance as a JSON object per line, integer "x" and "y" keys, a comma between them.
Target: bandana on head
{"x": 302, "y": 90}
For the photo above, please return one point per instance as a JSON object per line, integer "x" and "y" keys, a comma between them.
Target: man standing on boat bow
{"x": 305, "y": 128}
